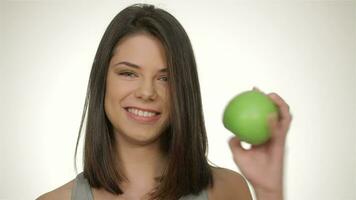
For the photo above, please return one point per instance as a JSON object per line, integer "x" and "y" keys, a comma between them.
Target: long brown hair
{"x": 185, "y": 139}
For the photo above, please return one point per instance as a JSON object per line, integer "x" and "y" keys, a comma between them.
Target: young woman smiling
{"x": 145, "y": 135}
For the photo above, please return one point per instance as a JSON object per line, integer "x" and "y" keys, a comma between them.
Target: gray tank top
{"x": 81, "y": 191}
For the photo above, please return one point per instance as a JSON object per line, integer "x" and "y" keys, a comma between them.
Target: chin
{"x": 138, "y": 137}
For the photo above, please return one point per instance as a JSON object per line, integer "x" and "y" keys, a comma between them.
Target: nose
{"x": 146, "y": 91}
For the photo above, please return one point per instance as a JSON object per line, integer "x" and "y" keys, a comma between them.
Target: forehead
{"x": 140, "y": 48}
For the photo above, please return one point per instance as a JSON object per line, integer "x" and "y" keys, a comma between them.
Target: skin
{"x": 262, "y": 165}
{"x": 147, "y": 87}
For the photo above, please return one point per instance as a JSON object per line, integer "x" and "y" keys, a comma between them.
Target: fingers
{"x": 283, "y": 106}
{"x": 285, "y": 117}
{"x": 284, "y": 110}
{"x": 277, "y": 135}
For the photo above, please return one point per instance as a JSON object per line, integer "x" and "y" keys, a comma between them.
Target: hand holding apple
{"x": 246, "y": 115}
{"x": 263, "y": 164}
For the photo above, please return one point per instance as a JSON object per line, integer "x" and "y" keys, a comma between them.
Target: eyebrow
{"x": 136, "y": 66}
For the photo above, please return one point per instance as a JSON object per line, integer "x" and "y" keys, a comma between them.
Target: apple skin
{"x": 246, "y": 115}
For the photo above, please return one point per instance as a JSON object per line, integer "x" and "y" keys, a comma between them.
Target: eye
{"x": 127, "y": 74}
{"x": 164, "y": 78}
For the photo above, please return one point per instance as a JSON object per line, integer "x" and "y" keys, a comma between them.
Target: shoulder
{"x": 64, "y": 192}
{"x": 228, "y": 184}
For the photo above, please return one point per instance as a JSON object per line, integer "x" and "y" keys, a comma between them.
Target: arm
{"x": 262, "y": 165}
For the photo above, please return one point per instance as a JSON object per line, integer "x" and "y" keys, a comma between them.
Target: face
{"x": 137, "y": 92}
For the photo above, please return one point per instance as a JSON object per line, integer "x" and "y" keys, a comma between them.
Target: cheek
{"x": 113, "y": 104}
{"x": 114, "y": 96}
{"x": 165, "y": 96}
{"x": 117, "y": 89}
{"x": 119, "y": 93}
{"x": 163, "y": 91}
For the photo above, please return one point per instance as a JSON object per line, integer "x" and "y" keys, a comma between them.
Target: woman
{"x": 145, "y": 136}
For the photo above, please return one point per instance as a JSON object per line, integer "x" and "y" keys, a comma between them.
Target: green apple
{"x": 246, "y": 115}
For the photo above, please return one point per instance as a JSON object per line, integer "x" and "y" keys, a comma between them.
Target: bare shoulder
{"x": 228, "y": 185}
{"x": 64, "y": 192}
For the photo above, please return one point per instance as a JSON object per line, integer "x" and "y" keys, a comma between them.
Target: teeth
{"x": 141, "y": 113}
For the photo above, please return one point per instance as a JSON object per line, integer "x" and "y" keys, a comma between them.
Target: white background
{"x": 303, "y": 50}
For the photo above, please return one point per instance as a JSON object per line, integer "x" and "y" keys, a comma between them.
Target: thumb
{"x": 235, "y": 146}
{"x": 238, "y": 152}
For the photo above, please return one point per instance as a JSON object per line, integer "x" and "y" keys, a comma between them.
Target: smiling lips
{"x": 142, "y": 116}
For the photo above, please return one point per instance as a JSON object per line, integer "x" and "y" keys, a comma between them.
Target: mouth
{"x": 142, "y": 115}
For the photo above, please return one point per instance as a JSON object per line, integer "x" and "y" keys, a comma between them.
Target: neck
{"x": 140, "y": 164}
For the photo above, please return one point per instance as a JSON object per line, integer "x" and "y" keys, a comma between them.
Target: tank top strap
{"x": 81, "y": 189}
